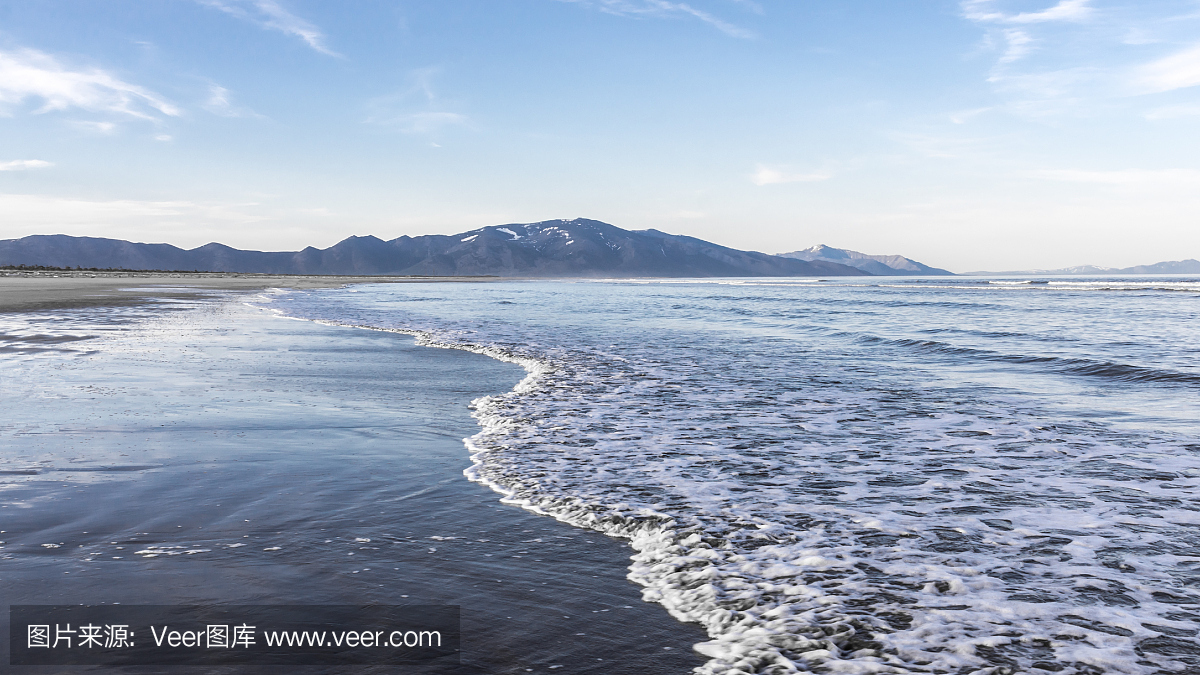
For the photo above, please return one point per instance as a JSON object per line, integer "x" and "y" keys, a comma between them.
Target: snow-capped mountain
{"x": 885, "y": 265}
{"x": 552, "y": 248}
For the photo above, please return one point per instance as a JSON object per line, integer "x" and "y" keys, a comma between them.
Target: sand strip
{"x": 34, "y": 291}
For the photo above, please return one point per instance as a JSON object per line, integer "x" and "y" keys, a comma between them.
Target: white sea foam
{"x": 824, "y": 502}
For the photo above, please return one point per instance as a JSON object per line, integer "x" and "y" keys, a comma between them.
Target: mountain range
{"x": 884, "y": 265}
{"x": 552, "y": 248}
{"x": 1189, "y": 266}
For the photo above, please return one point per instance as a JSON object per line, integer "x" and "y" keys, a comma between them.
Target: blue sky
{"x": 981, "y": 134}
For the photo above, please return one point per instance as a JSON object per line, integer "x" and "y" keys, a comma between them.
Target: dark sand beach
{"x": 171, "y": 445}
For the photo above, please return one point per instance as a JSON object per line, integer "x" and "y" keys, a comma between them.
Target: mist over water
{"x": 950, "y": 475}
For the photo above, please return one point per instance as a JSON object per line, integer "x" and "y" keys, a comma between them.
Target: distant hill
{"x": 885, "y": 265}
{"x": 552, "y": 248}
{"x": 1189, "y": 266}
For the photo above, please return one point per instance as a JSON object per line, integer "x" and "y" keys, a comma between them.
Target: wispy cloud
{"x": 1019, "y": 44}
{"x": 1173, "y": 112}
{"x": 25, "y": 165}
{"x": 1129, "y": 177}
{"x": 963, "y": 116}
{"x": 1065, "y": 58}
{"x": 946, "y": 146}
{"x": 416, "y": 110}
{"x": 1038, "y": 88}
{"x": 220, "y": 103}
{"x": 1177, "y": 71}
{"x": 30, "y": 74}
{"x": 768, "y": 176}
{"x": 666, "y": 9}
{"x": 1065, "y": 10}
{"x": 1072, "y": 57}
{"x": 258, "y": 221}
{"x": 94, "y": 127}
{"x": 426, "y": 123}
{"x": 271, "y": 15}
{"x": 751, "y": 5}
{"x": 30, "y": 213}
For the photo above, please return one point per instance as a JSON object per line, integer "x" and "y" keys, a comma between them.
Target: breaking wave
{"x": 821, "y": 501}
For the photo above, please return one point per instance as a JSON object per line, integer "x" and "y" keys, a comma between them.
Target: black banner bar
{"x": 186, "y": 635}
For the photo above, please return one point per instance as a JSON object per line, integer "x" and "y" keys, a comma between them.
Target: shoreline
{"x": 24, "y": 291}
{"x": 218, "y": 451}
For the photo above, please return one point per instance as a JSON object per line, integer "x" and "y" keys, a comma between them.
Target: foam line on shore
{"x": 664, "y": 552}
{"x": 808, "y": 538}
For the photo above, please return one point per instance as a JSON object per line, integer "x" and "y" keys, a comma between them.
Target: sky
{"x": 969, "y": 135}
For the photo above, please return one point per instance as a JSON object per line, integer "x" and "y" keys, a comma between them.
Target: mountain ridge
{"x": 883, "y": 265}
{"x": 1188, "y": 266}
{"x": 546, "y": 249}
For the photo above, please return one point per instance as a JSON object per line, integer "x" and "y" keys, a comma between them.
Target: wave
{"x": 815, "y": 514}
{"x": 1120, "y": 372}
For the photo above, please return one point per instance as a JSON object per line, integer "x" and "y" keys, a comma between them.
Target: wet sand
{"x": 216, "y": 454}
{"x": 35, "y": 291}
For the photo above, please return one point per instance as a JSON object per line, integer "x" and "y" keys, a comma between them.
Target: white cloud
{"x": 30, "y": 74}
{"x": 768, "y": 176}
{"x": 1177, "y": 71}
{"x": 25, "y": 165}
{"x": 94, "y": 127}
{"x": 271, "y": 15}
{"x": 1056, "y": 60}
{"x": 1073, "y": 58}
{"x": 1065, "y": 10}
{"x": 723, "y": 26}
{"x": 663, "y": 9}
{"x": 1018, "y": 45}
{"x": 219, "y": 103}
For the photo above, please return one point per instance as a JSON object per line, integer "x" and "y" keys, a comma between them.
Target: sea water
{"x": 945, "y": 475}
{"x": 204, "y": 452}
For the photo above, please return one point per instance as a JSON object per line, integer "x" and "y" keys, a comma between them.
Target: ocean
{"x": 902, "y": 475}
{"x": 208, "y": 453}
